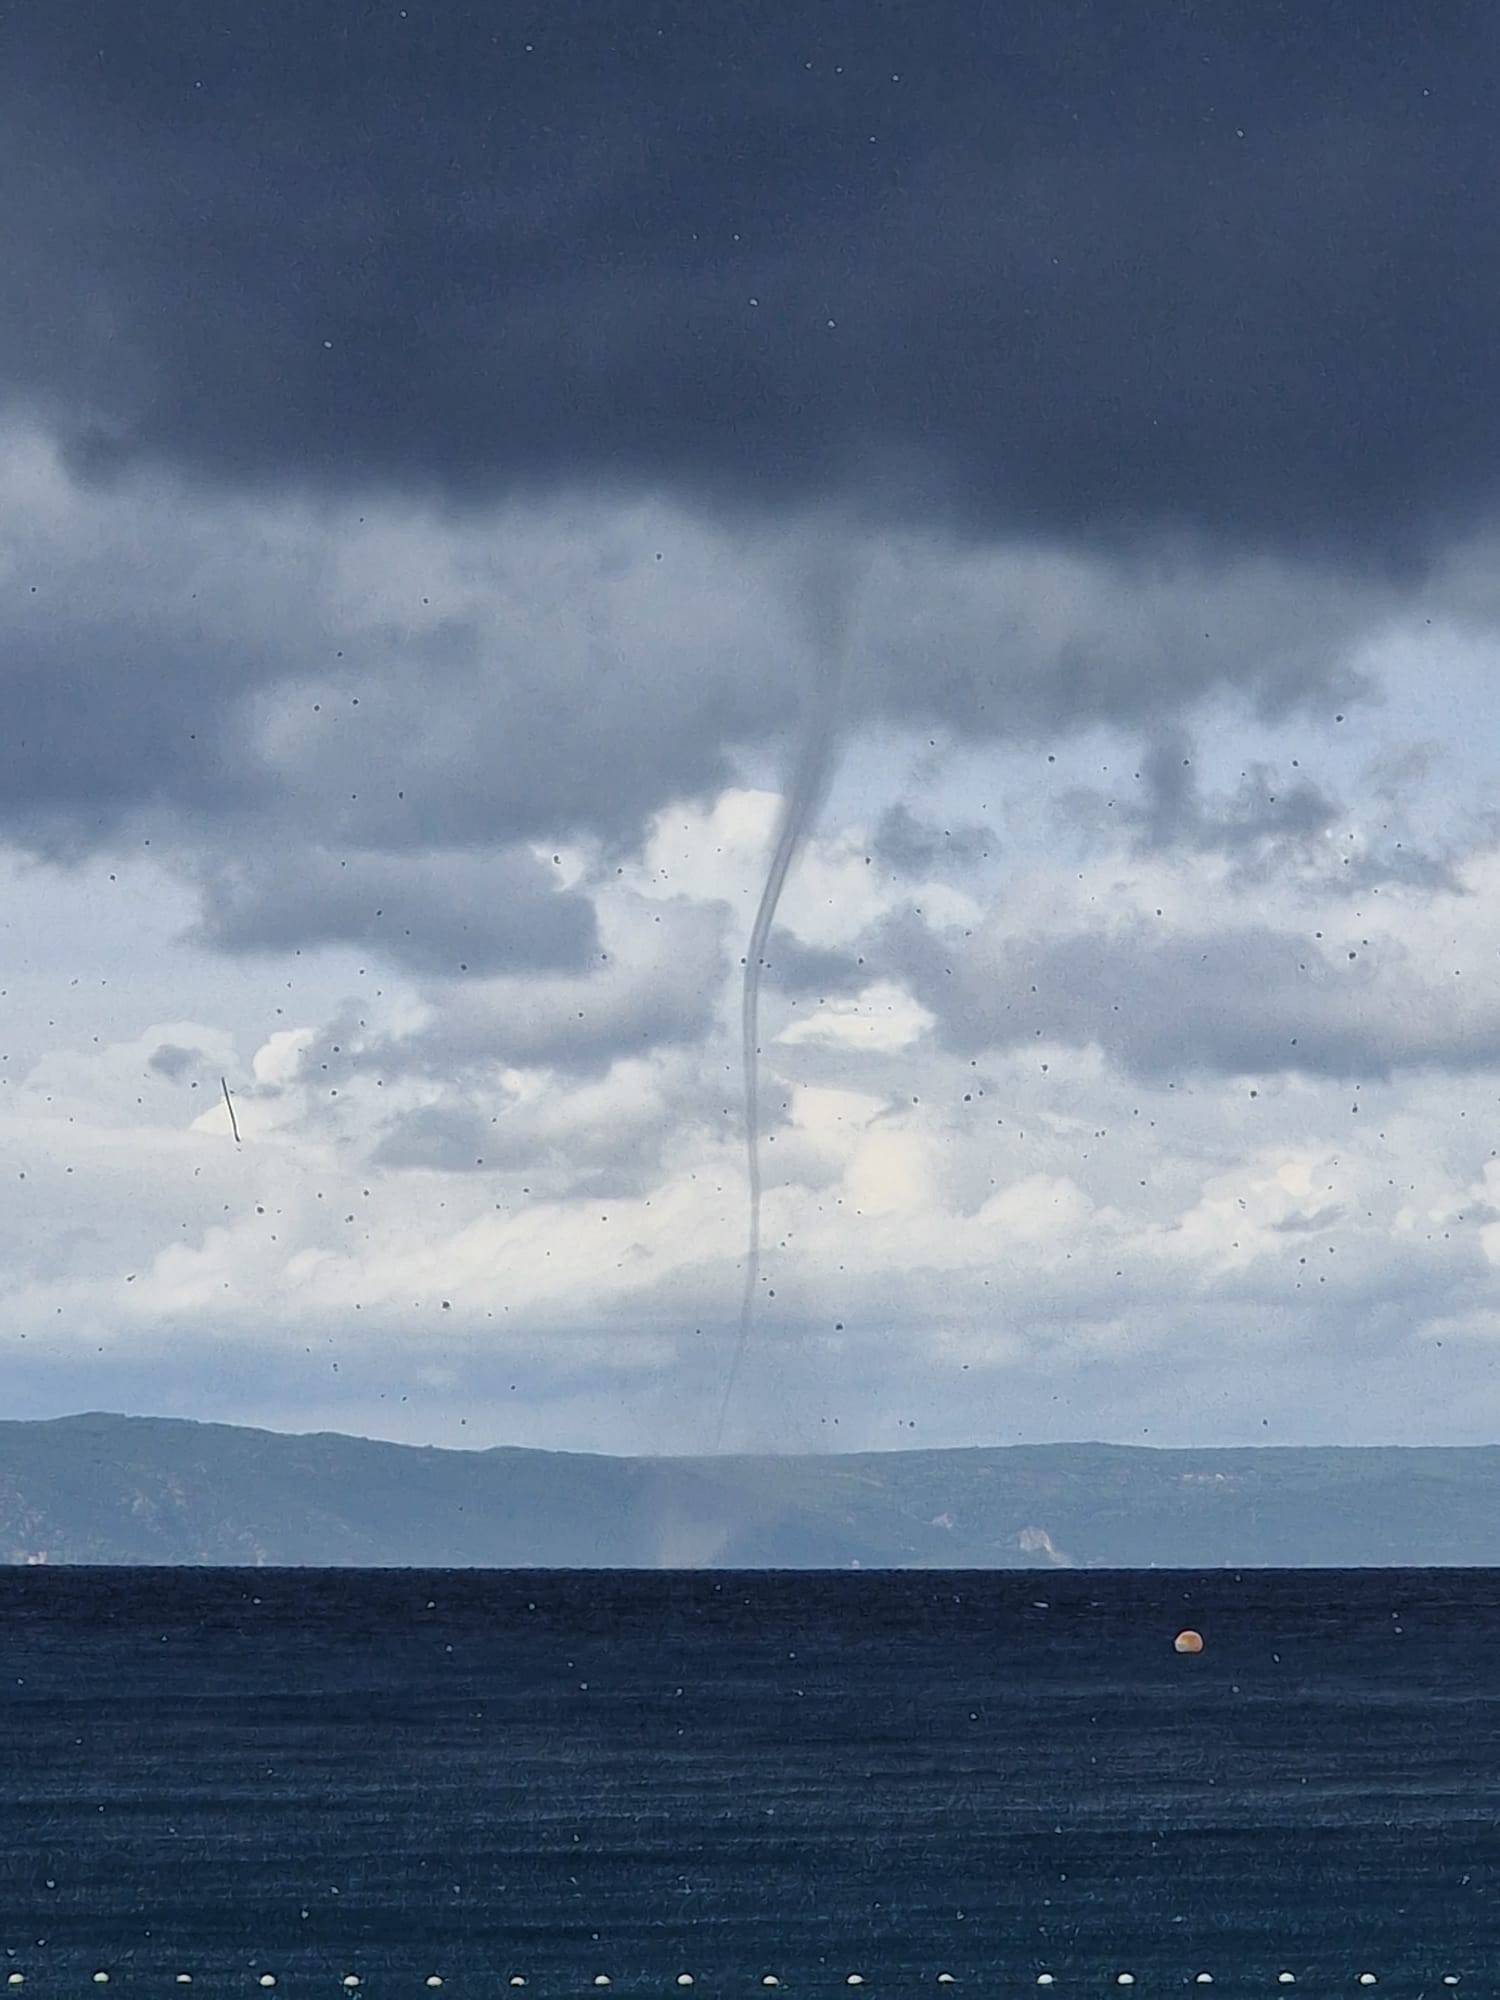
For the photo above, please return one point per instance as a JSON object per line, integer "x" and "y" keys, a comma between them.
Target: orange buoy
{"x": 1188, "y": 1642}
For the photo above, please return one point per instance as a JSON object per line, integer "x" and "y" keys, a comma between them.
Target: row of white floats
{"x": 353, "y": 1979}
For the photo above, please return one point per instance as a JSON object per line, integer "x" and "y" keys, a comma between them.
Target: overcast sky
{"x": 446, "y": 451}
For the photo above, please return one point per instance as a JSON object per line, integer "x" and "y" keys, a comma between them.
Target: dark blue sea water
{"x": 395, "y": 1775}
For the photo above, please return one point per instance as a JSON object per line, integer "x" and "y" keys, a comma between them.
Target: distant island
{"x": 141, "y": 1490}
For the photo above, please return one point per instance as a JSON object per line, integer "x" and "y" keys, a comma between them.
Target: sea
{"x": 323, "y": 1782}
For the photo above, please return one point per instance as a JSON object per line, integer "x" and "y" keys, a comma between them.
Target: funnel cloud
{"x": 827, "y": 603}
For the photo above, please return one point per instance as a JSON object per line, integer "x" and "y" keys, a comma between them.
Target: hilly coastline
{"x": 110, "y": 1489}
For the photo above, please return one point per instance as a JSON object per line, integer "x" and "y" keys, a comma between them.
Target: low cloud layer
{"x": 382, "y": 677}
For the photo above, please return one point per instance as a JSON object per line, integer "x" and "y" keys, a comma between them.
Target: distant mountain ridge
{"x": 99, "y": 1488}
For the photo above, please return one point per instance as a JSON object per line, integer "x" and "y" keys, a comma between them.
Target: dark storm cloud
{"x": 1076, "y": 269}
{"x": 289, "y": 281}
{"x": 1245, "y": 1001}
{"x": 436, "y": 913}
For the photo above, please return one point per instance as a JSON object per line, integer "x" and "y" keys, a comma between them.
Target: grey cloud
{"x": 229, "y": 671}
{"x": 388, "y": 681}
{"x": 1247, "y": 1000}
{"x": 1272, "y": 823}
{"x": 656, "y": 986}
{"x": 1024, "y": 641}
{"x": 912, "y": 846}
{"x": 609, "y": 1135}
{"x": 171, "y": 1060}
{"x": 135, "y": 623}
{"x": 797, "y": 967}
{"x": 436, "y": 913}
{"x": 1079, "y": 270}
{"x": 445, "y": 1138}
{"x": 1264, "y": 810}
{"x": 1416, "y": 865}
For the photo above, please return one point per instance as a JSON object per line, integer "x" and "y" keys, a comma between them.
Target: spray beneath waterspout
{"x": 806, "y": 789}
